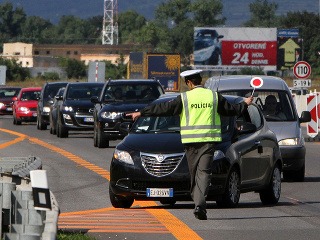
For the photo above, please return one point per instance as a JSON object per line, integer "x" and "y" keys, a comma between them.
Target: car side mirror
{"x": 58, "y": 97}
{"x": 305, "y": 117}
{"x": 125, "y": 127}
{"x": 94, "y": 99}
{"x": 247, "y": 127}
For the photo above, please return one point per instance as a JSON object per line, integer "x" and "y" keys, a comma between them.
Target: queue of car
{"x": 149, "y": 163}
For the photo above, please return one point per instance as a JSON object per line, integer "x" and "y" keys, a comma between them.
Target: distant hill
{"x": 236, "y": 11}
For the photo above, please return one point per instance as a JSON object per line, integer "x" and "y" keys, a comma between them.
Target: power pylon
{"x": 110, "y": 22}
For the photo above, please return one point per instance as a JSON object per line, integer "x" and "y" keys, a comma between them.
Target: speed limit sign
{"x": 302, "y": 69}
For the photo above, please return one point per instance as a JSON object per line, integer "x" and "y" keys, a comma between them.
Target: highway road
{"x": 78, "y": 176}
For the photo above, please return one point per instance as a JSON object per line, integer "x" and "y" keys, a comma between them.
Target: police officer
{"x": 199, "y": 111}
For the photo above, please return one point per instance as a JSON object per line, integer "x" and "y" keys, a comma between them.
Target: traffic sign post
{"x": 300, "y": 83}
{"x": 302, "y": 69}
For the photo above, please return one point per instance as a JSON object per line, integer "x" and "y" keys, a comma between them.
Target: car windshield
{"x": 172, "y": 124}
{"x": 134, "y": 92}
{"x": 82, "y": 92}
{"x": 203, "y": 43}
{"x": 30, "y": 96}
{"x": 51, "y": 90}
{"x": 9, "y": 92}
{"x": 275, "y": 105}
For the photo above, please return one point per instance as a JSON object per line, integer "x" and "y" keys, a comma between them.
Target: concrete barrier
{"x": 20, "y": 220}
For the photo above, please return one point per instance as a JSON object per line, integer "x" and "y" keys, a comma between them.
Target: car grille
{"x": 160, "y": 165}
{"x": 33, "y": 109}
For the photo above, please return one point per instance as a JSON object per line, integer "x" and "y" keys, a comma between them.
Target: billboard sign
{"x": 229, "y": 49}
{"x": 289, "y": 48}
{"x": 165, "y": 68}
{"x": 136, "y": 65}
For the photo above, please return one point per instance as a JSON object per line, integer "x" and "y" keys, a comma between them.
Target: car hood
{"x": 284, "y": 130}
{"x": 154, "y": 143}
{"x": 124, "y": 106}
{"x": 6, "y": 100}
{"x": 77, "y": 103}
{"x": 29, "y": 104}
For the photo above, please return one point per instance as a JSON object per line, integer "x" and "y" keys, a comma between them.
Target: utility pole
{"x": 110, "y": 22}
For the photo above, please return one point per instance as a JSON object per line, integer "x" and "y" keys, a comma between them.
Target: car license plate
{"x": 9, "y": 109}
{"x": 90, "y": 119}
{"x": 159, "y": 192}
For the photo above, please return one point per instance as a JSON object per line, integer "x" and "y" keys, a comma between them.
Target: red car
{"x": 6, "y": 99}
{"x": 25, "y": 105}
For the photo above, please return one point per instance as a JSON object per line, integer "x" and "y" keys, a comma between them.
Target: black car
{"x": 75, "y": 110}
{"x": 150, "y": 163}
{"x": 117, "y": 98}
{"x": 207, "y": 47}
{"x": 6, "y": 99}
{"x": 47, "y": 94}
{"x": 53, "y": 114}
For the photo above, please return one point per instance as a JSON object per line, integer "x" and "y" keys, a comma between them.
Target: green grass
{"x": 73, "y": 236}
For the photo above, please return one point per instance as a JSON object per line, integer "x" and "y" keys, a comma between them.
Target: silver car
{"x": 283, "y": 120}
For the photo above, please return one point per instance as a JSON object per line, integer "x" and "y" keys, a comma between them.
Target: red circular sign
{"x": 302, "y": 69}
{"x": 256, "y": 82}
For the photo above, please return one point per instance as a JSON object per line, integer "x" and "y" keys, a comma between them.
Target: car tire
{"x": 62, "y": 132}
{"x": 40, "y": 124}
{"x": 231, "y": 196}
{"x": 102, "y": 141}
{"x": 296, "y": 176}
{"x": 120, "y": 201}
{"x": 170, "y": 202}
{"x": 271, "y": 194}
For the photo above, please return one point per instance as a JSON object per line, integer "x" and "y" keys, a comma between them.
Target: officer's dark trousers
{"x": 199, "y": 157}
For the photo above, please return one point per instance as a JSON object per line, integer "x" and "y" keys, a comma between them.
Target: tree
{"x": 263, "y": 14}
{"x": 130, "y": 24}
{"x": 207, "y": 13}
{"x": 10, "y": 21}
{"x": 14, "y": 71}
{"x": 74, "y": 68}
{"x": 32, "y": 29}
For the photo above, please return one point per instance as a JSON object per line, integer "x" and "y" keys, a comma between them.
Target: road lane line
{"x": 176, "y": 227}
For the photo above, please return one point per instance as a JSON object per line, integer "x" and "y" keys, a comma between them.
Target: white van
{"x": 282, "y": 117}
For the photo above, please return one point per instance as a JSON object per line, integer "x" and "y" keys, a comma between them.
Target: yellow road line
{"x": 179, "y": 229}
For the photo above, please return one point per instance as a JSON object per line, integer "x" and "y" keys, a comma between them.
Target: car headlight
{"x": 111, "y": 115}
{"x": 1, "y": 105}
{"x": 23, "y": 109}
{"x": 68, "y": 109}
{"x": 46, "y": 109}
{"x": 289, "y": 142}
{"x": 123, "y": 156}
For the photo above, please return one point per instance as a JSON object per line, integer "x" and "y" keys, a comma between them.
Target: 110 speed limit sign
{"x": 302, "y": 69}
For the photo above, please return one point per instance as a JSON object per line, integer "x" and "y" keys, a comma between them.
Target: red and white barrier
{"x": 312, "y": 106}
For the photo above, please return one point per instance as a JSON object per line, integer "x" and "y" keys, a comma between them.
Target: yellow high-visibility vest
{"x": 199, "y": 119}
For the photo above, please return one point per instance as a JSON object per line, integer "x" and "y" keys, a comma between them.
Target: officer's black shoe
{"x": 200, "y": 214}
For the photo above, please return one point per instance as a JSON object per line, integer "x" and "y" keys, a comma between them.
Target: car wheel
{"x": 62, "y": 132}
{"x": 271, "y": 194}
{"x": 102, "y": 141}
{"x": 231, "y": 196}
{"x": 170, "y": 202}
{"x": 297, "y": 176}
{"x": 119, "y": 201}
{"x": 40, "y": 124}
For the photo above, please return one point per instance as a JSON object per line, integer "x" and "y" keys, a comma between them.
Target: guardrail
{"x": 20, "y": 219}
